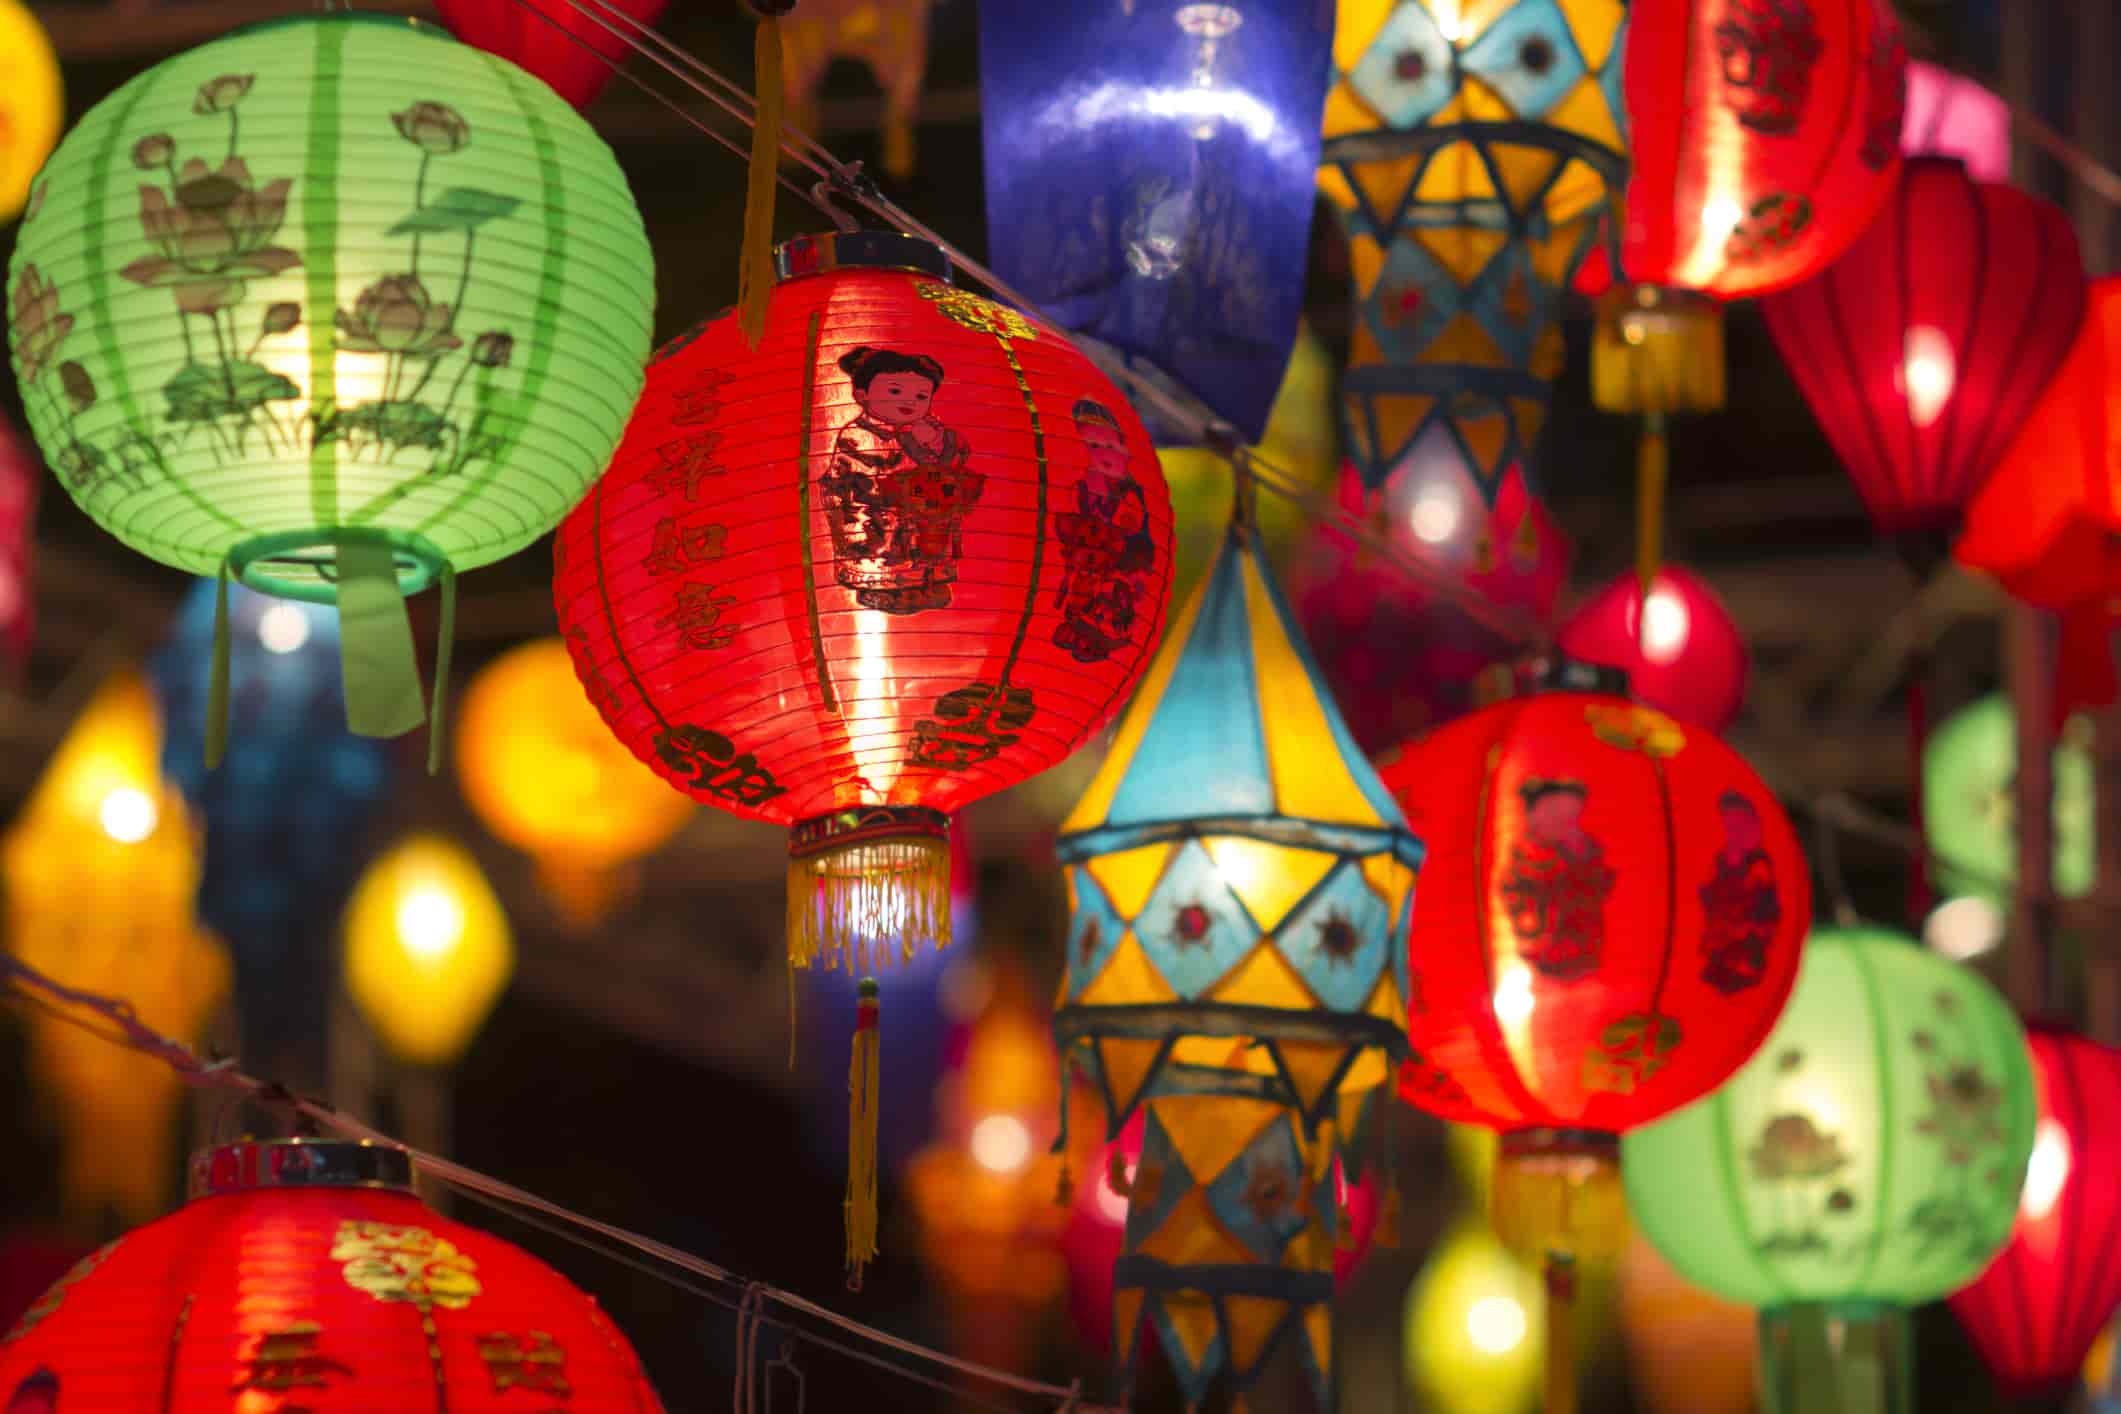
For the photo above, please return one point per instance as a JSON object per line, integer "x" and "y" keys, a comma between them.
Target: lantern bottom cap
{"x": 1657, "y": 349}
{"x": 865, "y": 883}
{"x": 302, "y": 564}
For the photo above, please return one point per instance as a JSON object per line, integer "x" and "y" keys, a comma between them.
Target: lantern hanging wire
{"x": 1155, "y": 395}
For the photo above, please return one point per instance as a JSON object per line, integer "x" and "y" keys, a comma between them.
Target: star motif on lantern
{"x": 1337, "y": 939}
{"x": 1190, "y": 926}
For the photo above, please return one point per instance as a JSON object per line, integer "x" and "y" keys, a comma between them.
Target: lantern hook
{"x": 849, "y": 181}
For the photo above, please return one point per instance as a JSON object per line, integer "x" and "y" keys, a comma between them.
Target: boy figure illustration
{"x": 1740, "y": 904}
{"x": 1558, "y": 883}
{"x": 1106, "y": 549}
{"x": 899, "y": 487}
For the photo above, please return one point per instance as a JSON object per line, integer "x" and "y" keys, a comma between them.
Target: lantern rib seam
{"x": 1531, "y": 1108}
{"x": 1940, "y": 474}
{"x": 618, "y": 643}
{"x": 320, "y": 269}
{"x": 802, "y": 502}
{"x": 1881, "y": 1058}
{"x": 1671, "y": 886}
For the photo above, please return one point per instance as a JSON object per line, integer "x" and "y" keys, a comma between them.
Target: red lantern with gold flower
{"x": 1612, "y": 907}
{"x": 1764, "y": 136}
{"x": 306, "y": 1267}
{"x": 911, "y": 549}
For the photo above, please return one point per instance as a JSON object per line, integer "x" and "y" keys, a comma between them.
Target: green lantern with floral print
{"x": 1869, "y": 1158}
{"x": 338, "y": 307}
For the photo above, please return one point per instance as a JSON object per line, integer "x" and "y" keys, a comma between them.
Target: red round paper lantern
{"x": 1612, "y": 906}
{"x": 308, "y": 1268}
{"x": 910, "y": 550}
{"x": 557, "y": 40}
{"x": 1922, "y": 349}
{"x": 2039, "y": 1308}
{"x": 1678, "y": 645}
{"x": 2048, "y": 523}
{"x": 1764, "y": 135}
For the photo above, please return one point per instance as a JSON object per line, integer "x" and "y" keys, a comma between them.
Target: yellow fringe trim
{"x": 857, "y": 906}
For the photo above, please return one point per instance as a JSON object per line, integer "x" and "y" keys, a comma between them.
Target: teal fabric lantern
{"x": 338, "y": 307}
{"x": 1868, "y": 1158}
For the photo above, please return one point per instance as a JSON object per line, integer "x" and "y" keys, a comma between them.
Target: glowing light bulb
{"x": 1513, "y": 997}
{"x": 430, "y": 923}
{"x": 128, "y": 814}
{"x": 1927, "y": 374}
{"x": 1496, "y": 1325}
{"x": 1111, "y": 1203}
{"x": 1720, "y": 217}
{"x": 1001, "y": 1144}
{"x": 283, "y": 628}
{"x": 1664, "y": 626}
{"x": 1435, "y": 517}
{"x": 1448, "y": 22}
{"x": 2046, "y": 1171}
{"x": 1963, "y": 928}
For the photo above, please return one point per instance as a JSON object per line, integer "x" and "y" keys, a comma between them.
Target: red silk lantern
{"x": 2039, "y": 1308}
{"x": 1764, "y": 134}
{"x": 310, "y": 1266}
{"x": 556, "y": 40}
{"x": 909, "y": 550}
{"x": 1923, "y": 348}
{"x": 2046, "y": 523}
{"x": 1679, "y": 647}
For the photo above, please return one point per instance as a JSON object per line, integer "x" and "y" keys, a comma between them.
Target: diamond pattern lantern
{"x": 1469, "y": 151}
{"x": 337, "y": 307}
{"x": 1239, "y": 881}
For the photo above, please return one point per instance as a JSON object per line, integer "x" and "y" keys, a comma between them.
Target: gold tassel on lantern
{"x": 861, "y": 1137}
{"x": 1557, "y": 1201}
{"x": 755, "y": 271}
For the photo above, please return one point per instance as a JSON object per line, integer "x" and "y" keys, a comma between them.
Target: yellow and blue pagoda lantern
{"x": 1240, "y": 884}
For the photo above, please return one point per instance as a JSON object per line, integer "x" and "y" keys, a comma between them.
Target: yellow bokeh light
{"x": 32, "y": 104}
{"x": 428, "y": 949}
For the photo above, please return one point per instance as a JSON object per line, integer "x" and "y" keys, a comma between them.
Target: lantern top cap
{"x": 256, "y": 1164}
{"x": 1553, "y": 672}
{"x": 858, "y": 250}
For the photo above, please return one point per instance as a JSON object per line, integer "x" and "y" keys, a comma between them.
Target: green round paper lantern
{"x": 1969, "y": 812}
{"x": 336, "y": 306}
{"x": 1868, "y": 1157}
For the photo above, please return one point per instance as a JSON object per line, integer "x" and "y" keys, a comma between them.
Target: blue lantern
{"x": 285, "y": 817}
{"x": 1149, "y": 179}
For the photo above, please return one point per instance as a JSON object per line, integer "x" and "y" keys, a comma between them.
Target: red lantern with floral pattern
{"x": 309, "y": 1268}
{"x": 910, "y": 549}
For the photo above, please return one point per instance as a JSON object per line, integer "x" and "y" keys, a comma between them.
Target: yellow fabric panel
{"x": 1390, "y": 878}
{"x": 1310, "y": 1066}
{"x": 1463, "y": 250}
{"x": 1125, "y": 1063}
{"x": 1318, "y": 1324}
{"x": 1346, "y": 113}
{"x": 1269, "y": 879}
{"x": 1553, "y": 255}
{"x": 1485, "y": 437}
{"x": 1384, "y": 183}
{"x": 1128, "y": 979}
{"x": 1366, "y": 262}
{"x": 1265, "y": 979}
{"x": 1193, "y": 1317}
{"x": 1464, "y": 341}
{"x": 1596, "y": 24}
{"x": 1221, "y": 1053}
{"x": 1586, "y": 112}
{"x": 1311, "y": 781}
{"x": 1252, "y": 1322}
{"x": 1398, "y": 414}
{"x": 1211, "y": 1130}
{"x": 1128, "y": 875}
{"x": 1126, "y": 1317}
{"x": 1362, "y": 346}
{"x": 1483, "y": 104}
{"x": 1333, "y": 185}
{"x": 1355, "y": 24}
{"x": 1474, "y": 16}
{"x": 1524, "y": 171}
{"x": 1456, "y": 173}
{"x": 1191, "y": 1235}
{"x": 1096, "y": 804}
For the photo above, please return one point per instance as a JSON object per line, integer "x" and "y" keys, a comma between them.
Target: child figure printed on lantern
{"x": 1557, "y": 883}
{"x": 899, "y": 486}
{"x": 1105, "y": 544}
{"x": 1740, "y": 905}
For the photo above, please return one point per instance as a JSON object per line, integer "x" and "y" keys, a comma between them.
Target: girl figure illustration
{"x": 1557, "y": 883}
{"x": 899, "y": 487}
{"x": 1106, "y": 548}
{"x": 1740, "y": 905}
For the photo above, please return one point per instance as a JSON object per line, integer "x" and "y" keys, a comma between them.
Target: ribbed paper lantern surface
{"x": 337, "y": 305}
{"x": 1969, "y": 811}
{"x": 543, "y": 773}
{"x": 428, "y": 949}
{"x": 910, "y": 550}
{"x": 1868, "y": 1159}
{"x": 1764, "y": 136}
{"x": 2045, "y": 526}
{"x": 1678, "y": 645}
{"x": 1923, "y": 347}
{"x": 305, "y": 1272}
{"x": 2037, "y": 1310}
{"x": 1612, "y": 909}
{"x": 577, "y": 51}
